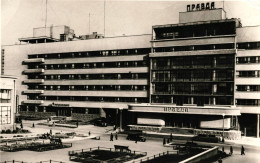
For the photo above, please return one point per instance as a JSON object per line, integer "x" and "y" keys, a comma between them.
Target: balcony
{"x": 33, "y": 102}
{"x": 34, "y": 60}
{"x": 29, "y": 71}
{"x": 37, "y": 81}
{"x": 33, "y": 92}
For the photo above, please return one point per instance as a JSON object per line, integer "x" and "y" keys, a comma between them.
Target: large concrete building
{"x": 202, "y": 73}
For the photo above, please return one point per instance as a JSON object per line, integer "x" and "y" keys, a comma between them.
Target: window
{"x": 5, "y": 96}
{"x": 5, "y": 115}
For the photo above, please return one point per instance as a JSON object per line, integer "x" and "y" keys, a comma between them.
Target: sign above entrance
{"x": 175, "y": 109}
{"x": 171, "y": 109}
{"x": 60, "y": 105}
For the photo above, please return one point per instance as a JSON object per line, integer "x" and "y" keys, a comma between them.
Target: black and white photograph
{"x": 130, "y": 81}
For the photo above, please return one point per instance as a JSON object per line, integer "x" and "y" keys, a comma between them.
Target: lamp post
{"x": 223, "y": 115}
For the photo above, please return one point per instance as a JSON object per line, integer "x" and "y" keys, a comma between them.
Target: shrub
{"x": 15, "y": 131}
{"x": 8, "y": 131}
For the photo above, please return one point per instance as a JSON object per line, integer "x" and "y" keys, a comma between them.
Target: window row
{"x": 248, "y": 59}
{"x": 248, "y": 45}
{"x": 79, "y": 110}
{"x": 194, "y": 88}
{"x": 90, "y": 87}
{"x": 90, "y": 76}
{"x": 248, "y": 88}
{"x": 193, "y": 75}
{"x": 248, "y": 74}
{"x": 193, "y": 48}
{"x": 218, "y": 61}
{"x": 90, "y": 65}
{"x": 248, "y": 102}
{"x": 197, "y": 100}
{"x": 86, "y": 98}
{"x": 201, "y": 30}
{"x": 92, "y": 53}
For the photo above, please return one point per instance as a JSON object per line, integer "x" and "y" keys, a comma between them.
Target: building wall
{"x": 247, "y": 80}
{"x": 7, "y": 102}
{"x": 204, "y": 15}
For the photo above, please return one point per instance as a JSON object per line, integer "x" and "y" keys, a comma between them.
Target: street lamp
{"x": 223, "y": 115}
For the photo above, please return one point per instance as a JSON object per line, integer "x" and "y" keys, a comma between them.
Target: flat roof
{"x": 41, "y": 38}
{"x": 8, "y": 76}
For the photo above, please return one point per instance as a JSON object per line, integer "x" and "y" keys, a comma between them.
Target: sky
{"x": 122, "y": 17}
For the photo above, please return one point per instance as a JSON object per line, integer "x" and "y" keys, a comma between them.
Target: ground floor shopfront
{"x": 204, "y": 118}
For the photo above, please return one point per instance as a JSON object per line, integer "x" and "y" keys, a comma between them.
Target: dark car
{"x": 100, "y": 122}
{"x": 135, "y": 137}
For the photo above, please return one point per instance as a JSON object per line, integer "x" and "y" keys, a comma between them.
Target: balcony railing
{"x": 33, "y": 102}
{"x": 33, "y": 92}
{"x": 28, "y": 71}
{"x": 35, "y": 60}
{"x": 39, "y": 81}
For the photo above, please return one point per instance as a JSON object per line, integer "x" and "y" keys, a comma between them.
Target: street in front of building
{"x": 152, "y": 146}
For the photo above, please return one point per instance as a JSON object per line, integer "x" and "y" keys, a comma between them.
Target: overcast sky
{"x": 19, "y": 17}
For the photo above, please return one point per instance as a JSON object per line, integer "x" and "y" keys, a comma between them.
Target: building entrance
{"x": 63, "y": 111}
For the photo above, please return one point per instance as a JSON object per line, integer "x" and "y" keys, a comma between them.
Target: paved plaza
{"x": 152, "y": 146}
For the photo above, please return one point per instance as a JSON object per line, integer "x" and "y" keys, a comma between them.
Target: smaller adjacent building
{"x": 7, "y": 102}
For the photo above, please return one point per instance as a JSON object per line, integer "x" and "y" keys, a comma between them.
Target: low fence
{"x": 202, "y": 156}
{"x": 143, "y": 159}
{"x": 49, "y": 161}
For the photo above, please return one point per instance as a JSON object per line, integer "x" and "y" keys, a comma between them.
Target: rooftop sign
{"x": 201, "y": 6}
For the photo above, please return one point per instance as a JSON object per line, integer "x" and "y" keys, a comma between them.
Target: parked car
{"x": 100, "y": 122}
{"x": 206, "y": 138}
{"x": 136, "y": 137}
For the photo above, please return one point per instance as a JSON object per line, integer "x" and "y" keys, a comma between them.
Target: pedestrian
{"x": 89, "y": 133}
{"x": 50, "y": 131}
{"x": 231, "y": 150}
{"x": 116, "y": 136}
{"x": 21, "y": 125}
{"x": 164, "y": 141}
{"x": 243, "y": 150}
{"x": 111, "y": 137}
{"x": 135, "y": 140}
{"x": 33, "y": 125}
{"x": 168, "y": 141}
{"x": 77, "y": 123}
{"x": 171, "y": 137}
{"x": 223, "y": 149}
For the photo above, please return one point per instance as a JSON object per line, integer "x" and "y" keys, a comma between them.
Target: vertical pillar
{"x": 214, "y": 75}
{"x": 192, "y": 100}
{"x": 120, "y": 123}
{"x": 257, "y": 126}
{"x": 36, "y": 108}
{"x": 214, "y": 100}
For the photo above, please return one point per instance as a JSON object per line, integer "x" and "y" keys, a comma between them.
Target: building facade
{"x": 8, "y": 102}
{"x": 202, "y": 73}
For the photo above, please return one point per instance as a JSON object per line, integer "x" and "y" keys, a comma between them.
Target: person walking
{"x": 171, "y": 137}
{"x": 111, "y": 137}
{"x": 116, "y": 136}
{"x": 164, "y": 141}
{"x": 243, "y": 150}
{"x": 89, "y": 133}
{"x": 33, "y": 125}
{"x": 231, "y": 150}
